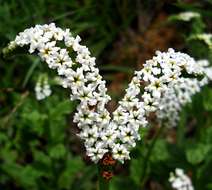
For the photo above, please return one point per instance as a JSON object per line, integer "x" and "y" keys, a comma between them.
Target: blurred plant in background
{"x": 38, "y": 146}
{"x": 180, "y": 181}
{"x": 42, "y": 88}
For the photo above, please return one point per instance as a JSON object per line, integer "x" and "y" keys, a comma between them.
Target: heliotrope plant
{"x": 162, "y": 86}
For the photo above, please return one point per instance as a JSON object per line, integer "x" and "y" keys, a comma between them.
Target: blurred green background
{"x": 39, "y": 149}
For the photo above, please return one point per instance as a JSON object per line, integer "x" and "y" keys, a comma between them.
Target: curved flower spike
{"x": 146, "y": 92}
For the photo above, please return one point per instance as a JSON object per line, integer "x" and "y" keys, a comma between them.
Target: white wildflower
{"x": 206, "y": 38}
{"x": 158, "y": 87}
{"x": 186, "y": 16}
{"x": 180, "y": 181}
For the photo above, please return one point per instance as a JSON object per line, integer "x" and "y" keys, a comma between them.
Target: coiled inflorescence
{"x": 103, "y": 133}
{"x": 184, "y": 88}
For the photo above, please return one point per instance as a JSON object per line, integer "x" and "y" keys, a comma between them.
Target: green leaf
{"x": 34, "y": 118}
{"x": 206, "y": 135}
{"x": 73, "y": 166}
{"x": 57, "y": 121}
{"x": 209, "y": 186}
{"x": 42, "y": 158}
{"x": 12, "y": 169}
{"x": 29, "y": 176}
{"x": 3, "y": 137}
{"x": 62, "y": 108}
{"x": 160, "y": 152}
{"x": 207, "y": 100}
{"x": 136, "y": 170}
{"x": 118, "y": 182}
{"x": 197, "y": 154}
{"x": 58, "y": 151}
{"x": 24, "y": 176}
{"x": 8, "y": 155}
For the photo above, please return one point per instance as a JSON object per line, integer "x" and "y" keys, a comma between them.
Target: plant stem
{"x": 13, "y": 111}
{"x": 181, "y": 129}
{"x": 103, "y": 183}
{"x": 147, "y": 157}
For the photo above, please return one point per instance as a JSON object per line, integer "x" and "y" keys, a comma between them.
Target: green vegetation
{"x": 39, "y": 148}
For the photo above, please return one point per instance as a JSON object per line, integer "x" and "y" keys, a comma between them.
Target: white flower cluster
{"x": 42, "y": 88}
{"x": 180, "y": 94}
{"x": 180, "y": 181}
{"x": 78, "y": 71}
{"x": 186, "y": 16}
{"x": 144, "y": 95}
{"x": 206, "y": 38}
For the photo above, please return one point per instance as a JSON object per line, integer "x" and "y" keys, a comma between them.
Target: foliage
{"x": 39, "y": 148}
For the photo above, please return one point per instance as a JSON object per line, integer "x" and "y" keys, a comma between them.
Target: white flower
{"x": 84, "y": 117}
{"x": 103, "y": 117}
{"x": 77, "y": 79}
{"x": 63, "y": 58}
{"x": 96, "y": 153}
{"x": 85, "y": 94}
{"x": 147, "y": 72}
{"x": 129, "y": 101}
{"x": 48, "y": 49}
{"x": 36, "y": 40}
{"x": 128, "y": 136}
{"x": 120, "y": 152}
{"x": 120, "y": 116}
{"x": 136, "y": 117}
{"x": 156, "y": 87}
{"x": 109, "y": 136}
{"x": 90, "y": 134}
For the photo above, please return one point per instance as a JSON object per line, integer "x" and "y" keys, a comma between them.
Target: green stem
{"x": 147, "y": 157}
{"x": 102, "y": 183}
{"x": 181, "y": 129}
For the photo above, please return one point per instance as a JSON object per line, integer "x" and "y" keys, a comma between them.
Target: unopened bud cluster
{"x": 102, "y": 133}
{"x": 42, "y": 88}
{"x": 180, "y": 181}
{"x": 187, "y": 16}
